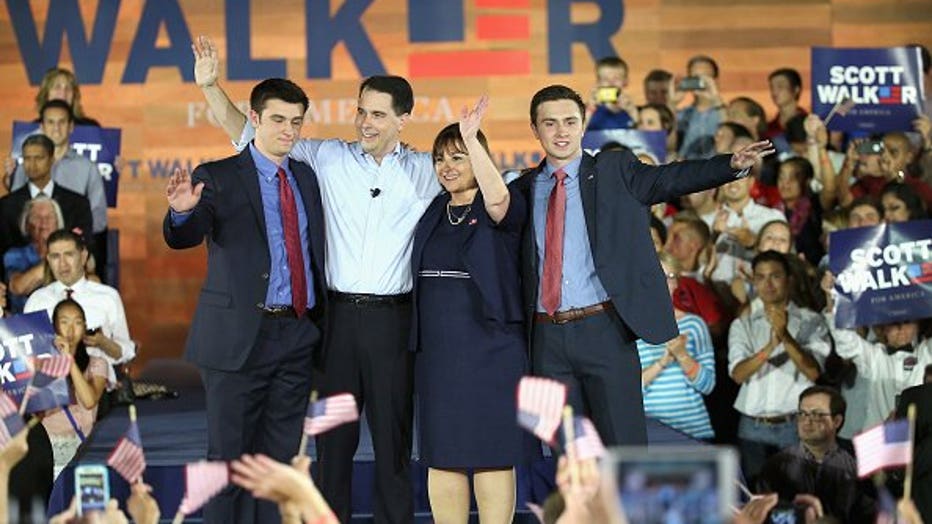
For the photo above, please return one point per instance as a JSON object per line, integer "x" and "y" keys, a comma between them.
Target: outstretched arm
{"x": 494, "y": 192}
{"x": 206, "y": 71}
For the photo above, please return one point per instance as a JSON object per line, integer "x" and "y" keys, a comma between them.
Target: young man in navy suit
{"x": 254, "y": 329}
{"x": 592, "y": 283}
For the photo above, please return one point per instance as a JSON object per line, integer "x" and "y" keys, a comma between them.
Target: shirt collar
{"x": 356, "y": 148}
{"x": 571, "y": 169}
{"x": 264, "y": 165}
{"x": 48, "y": 189}
{"x": 60, "y": 287}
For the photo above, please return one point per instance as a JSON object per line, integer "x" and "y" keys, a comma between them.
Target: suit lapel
{"x": 249, "y": 181}
{"x": 530, "y": 240}
{"x": 587, "y": 182}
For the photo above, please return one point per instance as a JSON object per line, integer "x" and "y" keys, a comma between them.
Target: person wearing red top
{"x": 785, "y": 87}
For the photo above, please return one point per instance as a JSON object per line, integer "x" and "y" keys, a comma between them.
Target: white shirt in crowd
{"x": 774, "y": 390}
{"x": 370, "y": 211}
{"x": 730, "y": 253}
{"x": 888, "y": 375}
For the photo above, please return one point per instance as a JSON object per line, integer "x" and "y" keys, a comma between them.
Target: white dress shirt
{"x": 888, "y": 375}
{"x": 369, "y": 238}
{"x": 774, "y": 390}
{"x": 103, "y": 309}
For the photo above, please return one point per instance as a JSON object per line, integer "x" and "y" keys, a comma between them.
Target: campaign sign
{"x": 101, "y": 145}
{"x": 653, "y": 142}
{"x": 882, "y": 273}
{"x": 23, "y": 337}
{"x": 883, "y": 88}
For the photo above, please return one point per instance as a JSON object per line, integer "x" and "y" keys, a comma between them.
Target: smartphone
{"x": 92, "y": 487}
{"x": 870, "y": 147}
{"x": 91, "y": 332}
{"x": 691, "y": 83}
{"x": 671, "y": 484}
{"x": 607, "y": 95}
{"x": 787, "y": 513}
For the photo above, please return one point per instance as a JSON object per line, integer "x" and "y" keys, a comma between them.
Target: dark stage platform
{"x": 174, "y": 432}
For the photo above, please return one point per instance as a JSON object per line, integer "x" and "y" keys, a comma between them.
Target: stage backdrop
{"x": 134, "y": 63}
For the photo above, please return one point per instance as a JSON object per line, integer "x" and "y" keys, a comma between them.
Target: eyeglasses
{"x": 811, "y": 415}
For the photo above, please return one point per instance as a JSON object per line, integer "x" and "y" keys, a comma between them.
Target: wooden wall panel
{"x": 164, "y": 120}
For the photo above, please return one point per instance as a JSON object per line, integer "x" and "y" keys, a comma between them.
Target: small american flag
{"x": 540, "y": 406}
{"x": 844, "y": 106}
{"x": 127, "y": 457}
{"x": 12, "y": 422}
{"x": 883, "y": 446}
{"x": 587, "y": 444}
{"x": 330, "y": 412}
{"x": 203, "y": 480}
{"x": 55, "y": 366}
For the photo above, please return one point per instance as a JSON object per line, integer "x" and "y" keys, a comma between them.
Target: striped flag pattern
{"x": 883, "y": 446}
{"x": 540, "y": 406}
{"x": 55, "y": 366}
{"x": 330, "y": 412}
{"x": 203, "y": 480}
{"x": 12, "y": 422}
{"x": 587, "y": 444}
{"x": 127, "y": 458}
{"x": 47, "y": 388}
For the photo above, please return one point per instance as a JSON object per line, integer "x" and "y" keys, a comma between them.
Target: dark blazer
{"x": 617, "y": 191}
{"x": 229, "y": 214}
{"x": 75, "y": 209}
{"x": 921, "y": 396}
{"x": 490, "y": 254}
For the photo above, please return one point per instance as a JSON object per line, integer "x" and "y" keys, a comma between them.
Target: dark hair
{"x": 658, "y": 75}
{"x": 802, "y": 170}
{"x": 790, "y": 74}
{"x": 737, "y": 129}
{"x": 667, "y": 118}
{"x": 752, "y": 108}
{"x": 57, "y": 104}
{"x": 771, "y": 256}
{"x": 394, "y": 86}
{"x": 924, "y": 56}
{"x": 703, "y": 58}
{"x": 81, "y": 357}
{"x": 277, "y": 89}
{"x": 908, "y": 196}
{"x": 657, "y": 225}
{"x": 611, "y": 61}
{"x": 552, "y": 93}
{"x": 450, "y": 139}
{"x": 796, "y": 129}
{"x": 64, "y": 235}
{"x": 42, "y": 141}
{"x": 613, "y": 145}
{"x": 836, "y": 402}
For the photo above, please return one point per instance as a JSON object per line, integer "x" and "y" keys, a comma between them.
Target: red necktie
{"x": 553, "y": 246}
{"x": 292, "y": 243}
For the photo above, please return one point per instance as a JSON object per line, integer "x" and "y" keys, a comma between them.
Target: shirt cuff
{"x": 177, "y": 218}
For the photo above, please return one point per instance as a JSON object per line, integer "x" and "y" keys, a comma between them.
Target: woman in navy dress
{"x": 468, "y": 333}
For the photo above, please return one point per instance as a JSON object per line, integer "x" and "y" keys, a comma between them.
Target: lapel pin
{"x": 472, "y": 222}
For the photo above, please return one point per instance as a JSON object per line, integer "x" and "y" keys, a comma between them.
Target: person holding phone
{"x": 698, "y": 122}
{"x": 68, "y": 426}
{"x": 609, "y": 106}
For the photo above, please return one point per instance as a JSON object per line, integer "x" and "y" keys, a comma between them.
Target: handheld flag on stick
{"x": 203, "y": 480}
{"x": 843, "y": 107}
{"x": 127, "y": 457}
{"x": 48, "y": 387}
{"x": 12, "y": 421}
{"x": 586, "y": 443}
{"x": 883, "y": 446}
{"x": 326, "y": 414}
{"x": 540, "y": 406}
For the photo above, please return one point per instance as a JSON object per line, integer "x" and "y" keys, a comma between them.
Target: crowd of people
{"x": 694, "y": 291}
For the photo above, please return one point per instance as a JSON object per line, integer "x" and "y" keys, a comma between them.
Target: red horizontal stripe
{"x": 468, "y": 63}
{"x": 503, "y": 27}
{"x": 492, "y": 4}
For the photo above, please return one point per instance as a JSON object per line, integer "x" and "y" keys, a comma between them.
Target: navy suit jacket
{"x": 617, "y": 191}
{"x": 490, "y": 255}
{"x": 229, "y": 215}
{"x": 75, "y": 209}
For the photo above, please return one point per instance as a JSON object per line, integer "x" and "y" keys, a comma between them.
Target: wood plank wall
{"x": 163, "y": 119}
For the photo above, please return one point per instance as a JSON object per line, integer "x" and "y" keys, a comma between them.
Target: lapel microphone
{"x": 375, "y": 192}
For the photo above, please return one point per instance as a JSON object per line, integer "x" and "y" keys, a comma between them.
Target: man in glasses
{"x": 817, "y": 466}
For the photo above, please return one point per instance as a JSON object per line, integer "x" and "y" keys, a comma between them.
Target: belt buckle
{"x": 359, "y": 300}
{"x": 559, "y": 321}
